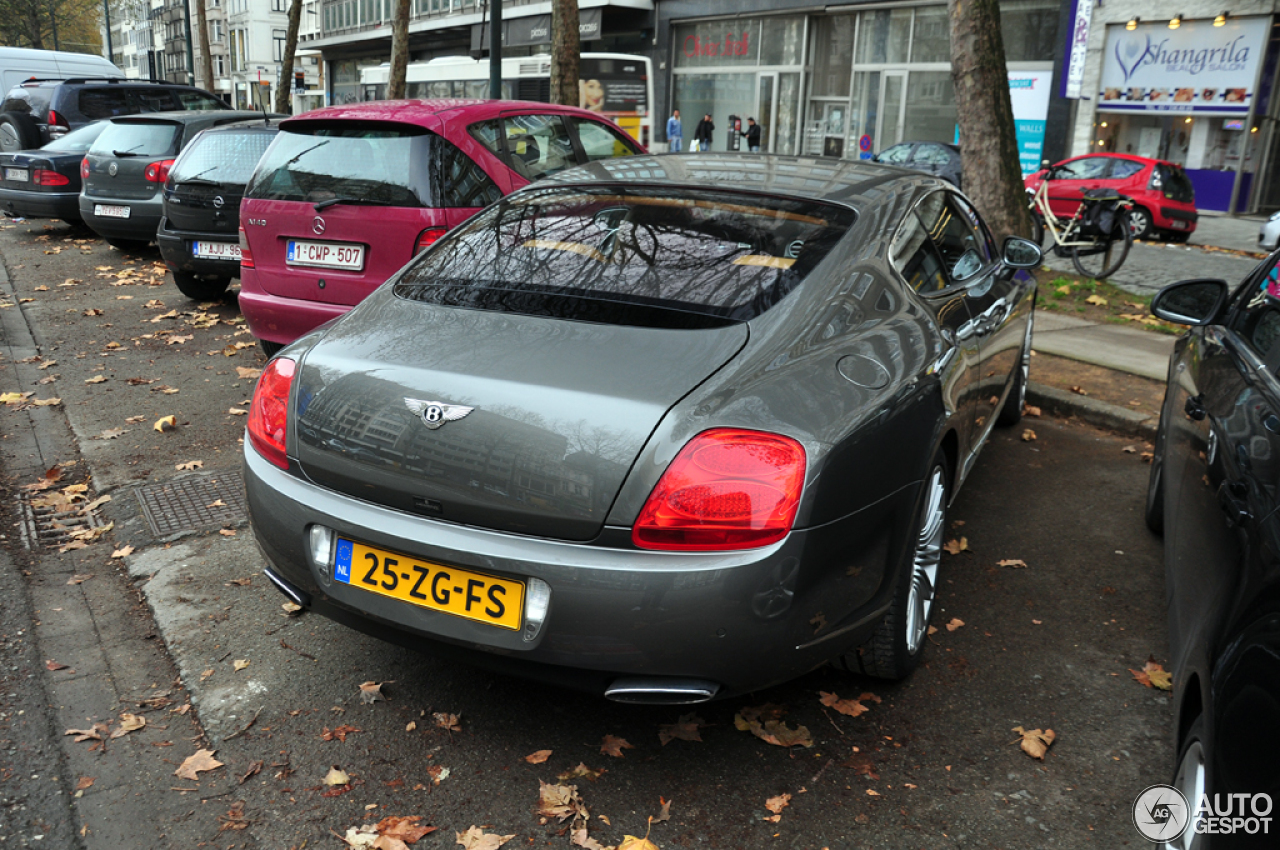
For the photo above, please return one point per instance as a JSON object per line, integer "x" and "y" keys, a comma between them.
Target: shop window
{"x": 931, "y": 106}
{"x": 883, "y": 36}
{"x": 931, "y": 36}
{"x": 832, "y": 55}
{"x": 781, "y": 41}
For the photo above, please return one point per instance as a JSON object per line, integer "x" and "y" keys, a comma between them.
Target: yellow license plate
{"x": 486, "y": 599}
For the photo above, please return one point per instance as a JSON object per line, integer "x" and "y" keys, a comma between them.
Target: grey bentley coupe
{"x": 662, "y": 428}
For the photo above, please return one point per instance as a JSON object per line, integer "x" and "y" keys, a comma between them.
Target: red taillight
{"x": 246, "y": 256}
{"x": 45, "y": 177}
{"x": 55, "y": 118}
{"x": 428, "y": 237}
{"x": 84, "y": 168}
{"x": 269, "y": 413}
{"x": 727, "y": 489}
{"x": 158, "y": 172}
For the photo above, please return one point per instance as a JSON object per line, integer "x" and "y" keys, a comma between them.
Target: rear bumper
{"x": 743, "y": 620}
{"x": 176, "y": 248}
{"x": 142, "y": 223}
{"x": 281, "y": 320}
{"x": 63, "y": 205}
{"x": 1179, "y": 218}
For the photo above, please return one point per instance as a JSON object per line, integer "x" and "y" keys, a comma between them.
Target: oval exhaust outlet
{"x": 660, "y": 690}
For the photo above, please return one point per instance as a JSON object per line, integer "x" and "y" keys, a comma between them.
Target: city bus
{"x": 617, "y": 85}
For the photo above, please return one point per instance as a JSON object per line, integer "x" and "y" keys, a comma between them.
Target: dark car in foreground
{"x": 199, "y": 236}
{"x": 937, "y": 158}
{"x": 128, "y": 165}
{"x": 45, "y": 183}
{"x": 661, "y": 428}
{"x": 1214, "y": 494}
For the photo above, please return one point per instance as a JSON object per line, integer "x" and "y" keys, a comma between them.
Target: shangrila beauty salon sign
{"x": 1197, "y": 68}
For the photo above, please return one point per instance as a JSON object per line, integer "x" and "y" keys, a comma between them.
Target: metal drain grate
{"x": 46, "y": 526}
{"x": 192, "y": 503}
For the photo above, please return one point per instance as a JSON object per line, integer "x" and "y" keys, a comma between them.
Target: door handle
{"x": 1195, "y": 407}
{"x": 1233, "y": 506}
{"x": 1272, "y": 423}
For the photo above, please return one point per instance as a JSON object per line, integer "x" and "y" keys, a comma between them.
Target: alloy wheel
{"x": 1190, "y": 781}
{"x": 924, "y": 565}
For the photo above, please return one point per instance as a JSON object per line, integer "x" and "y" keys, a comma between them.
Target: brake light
{"x": 55, "y": 118}
{"x": 726, "y": 489}
{"x": 428, "y": 237}
{"x": 45, "y": 177}
{"x": 246, "y": 255}
{"x": 58, "y": 126}
{"x": 158, "y": 172}
{"x": 84, "y": 168}
{"x": 269, "y": 413}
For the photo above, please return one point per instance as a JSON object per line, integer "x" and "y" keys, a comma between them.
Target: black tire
{"x": 201, "y": 288}
{"x": 1141, "y": 224}
{"x": 1038, "y": 230}
{"x": 1107, "y": 253}
{"x": 270, "y": 349}
{"x": 895, "y": 647}
{"x": 1016, "y": 401}
{"x": 19, "y": 132}
{"x": 1153, "y": 514}
{"x": 1190, "y": 777}
{"x": 129, "y": 246}
{"x": 1177, "y": 237}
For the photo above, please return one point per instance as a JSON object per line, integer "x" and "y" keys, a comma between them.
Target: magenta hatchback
{"x": 345, "y": 196}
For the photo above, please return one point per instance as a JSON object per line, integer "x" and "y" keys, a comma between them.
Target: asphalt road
{"x": 933, "y": 763}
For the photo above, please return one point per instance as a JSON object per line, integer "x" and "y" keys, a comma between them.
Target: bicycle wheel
{"x": 1106, "y": 254}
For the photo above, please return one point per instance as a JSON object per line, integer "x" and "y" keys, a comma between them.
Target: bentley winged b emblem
{"x": 436, "y": 413}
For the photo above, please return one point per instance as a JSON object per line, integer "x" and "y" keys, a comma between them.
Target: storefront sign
{"x": 1029, "y": 95}
{"x": 734, "y": 45}
{"x": 1197, "y": 68}
{"x": 535, "y": 29}
{"x": 1077, "y": 48}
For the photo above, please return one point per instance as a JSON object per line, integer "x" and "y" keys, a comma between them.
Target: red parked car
{"x": 1164, "y": 201}
{"x": 345, "y": 196}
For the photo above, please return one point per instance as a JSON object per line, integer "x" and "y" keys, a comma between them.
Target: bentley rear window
{"x": 625, "y": 255}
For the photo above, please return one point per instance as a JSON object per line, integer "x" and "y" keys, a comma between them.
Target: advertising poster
{"x": 1029, "y": 93}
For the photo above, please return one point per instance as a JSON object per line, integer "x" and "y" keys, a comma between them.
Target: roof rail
{"x": 115, "y": 80}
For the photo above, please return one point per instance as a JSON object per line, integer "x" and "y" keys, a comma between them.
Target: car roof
{"x": 188, "y": 116}
{"x": 850, "y": 182}
{"x": 430, "y": 113}
{"x": 1146, "y": 160}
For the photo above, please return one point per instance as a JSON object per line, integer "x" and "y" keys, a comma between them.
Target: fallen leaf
{"x": 562, "y": 802}
{"x": 1036, "y": 742}
{"x": 129, "y": 723}
{"x": 371, "y": 692}
{"x": 538, "y": 757}
{"x": 766, "y": 724}
{"x": 227, "y": 532}
{"x": 93, "y": 733}
{"x": 46, "y": 364}
{"x": 613, "y": 746}
{"x": 46, "y": 402}
{"x": 178, "y": 339}
{"x": 339, "y": 734}
{"x": 438, "y": 773}
{"x": 1011, "y": 562}
{"x": 80, "y": 579}
{"x": 851, "y": 707}
{"x": 54, "y": 666}
{"x": 189, "y": 465}
{"x": 167, "y": 423}
{"x": 630, "y": 842}
{"x": 1096, "y": 299}
{"x": 202, "y": 761}
{"x": 447, "y": 721}
{"x": 579, "y": 838}
{"x": 111, "y": 433}
{"x": 1153, "y": 675}
{"x": 1030, "y": 410}
{"x": 1028, "y": 435}
{"x": 684, "y": 729}
{"x": 234, "y": 819}
{"x": 247, "y": 372}
{"x": 406, "y": 829}
{"x": 336, "y": 776}
{"x": 477, "y": 839}
{"x": 582, "y": 771}
{"x": 955, "y": 547}
{"x": 85, "y": 782}
{"x": 664, "y": 811}
{"x": 955, "y": 623}
{"x": 95, "y": 504}
{"x": 239, "y": 664}
{"x": 14, "y": 398}
{"x": 1078, "y": 390}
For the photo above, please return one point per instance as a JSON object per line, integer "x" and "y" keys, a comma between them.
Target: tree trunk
{"x": 286, "y": 61}
{"x": 565, "y": 52}
{"x": 988, "y": 143}
{"x": 35, "y": 28}
{"x": 399, "y": 50}
{"x": 204, "y": 78}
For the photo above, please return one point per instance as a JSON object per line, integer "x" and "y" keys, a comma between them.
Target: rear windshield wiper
{"x": 124, "y": 153}
{"x": 320, "y": 205}
{"x": 197, "y": 181}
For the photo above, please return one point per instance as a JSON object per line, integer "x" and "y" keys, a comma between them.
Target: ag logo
{"x": 1160, "y": 813}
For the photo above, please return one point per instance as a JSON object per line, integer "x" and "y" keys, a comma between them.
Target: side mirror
{"x": 1190, "y": 302}
{"x": 1021, "y": 253}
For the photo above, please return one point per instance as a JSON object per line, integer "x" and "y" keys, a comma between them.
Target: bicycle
{"x": 1098, "y": 236}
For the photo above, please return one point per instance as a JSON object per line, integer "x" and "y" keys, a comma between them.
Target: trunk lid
{"x": 207, "y": 182}
{"x": 561, "y": 410}
{"x": 119, "y": 158}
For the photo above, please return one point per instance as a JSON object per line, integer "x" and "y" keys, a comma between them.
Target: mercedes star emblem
{"x": 436, "y": 413}
{"x": 317, "y": 226}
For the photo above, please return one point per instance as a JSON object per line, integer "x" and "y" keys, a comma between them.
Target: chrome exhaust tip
{"x": 297, "y": 597}
{"x": 660, "y": 690}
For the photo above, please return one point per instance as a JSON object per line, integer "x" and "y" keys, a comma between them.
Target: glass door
{"x": 893, "y": 109}
{"x": 766, "y": 109}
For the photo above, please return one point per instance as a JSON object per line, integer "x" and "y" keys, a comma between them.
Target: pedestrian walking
{"x": 753, "y": 135}
{"x": 702, "y": 133}
{"x": 675, "y": 133}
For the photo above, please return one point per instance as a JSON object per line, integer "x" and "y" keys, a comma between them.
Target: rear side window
{"x": 538, "y": 145}
{"x": 956, "y": 233}
{"x": 599, "y": 142}
{"x": 915, "y": 258}
{"x": 104, "y": 103}
{"x": 378, "y": 164}
{"x": 1125, "y": 168}
{"x": 198, "y": 100}
{"x": 896, "y": 154}
{"x": 1175, "y": 184}
{"x": 932, "y": 155}
{"x": 223, "y": 157}
{"x": 137, "y": 138}
{"x": 32, "y": 100}
{"x": 669, "y": 258}
{"x": 152, "y": 100}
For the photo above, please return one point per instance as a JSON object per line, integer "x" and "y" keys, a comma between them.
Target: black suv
{"x": 199, "y": 233}
{"x": 36, "y": 112}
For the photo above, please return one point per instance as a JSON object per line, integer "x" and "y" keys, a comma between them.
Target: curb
{"x": 1100, "y": 413}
